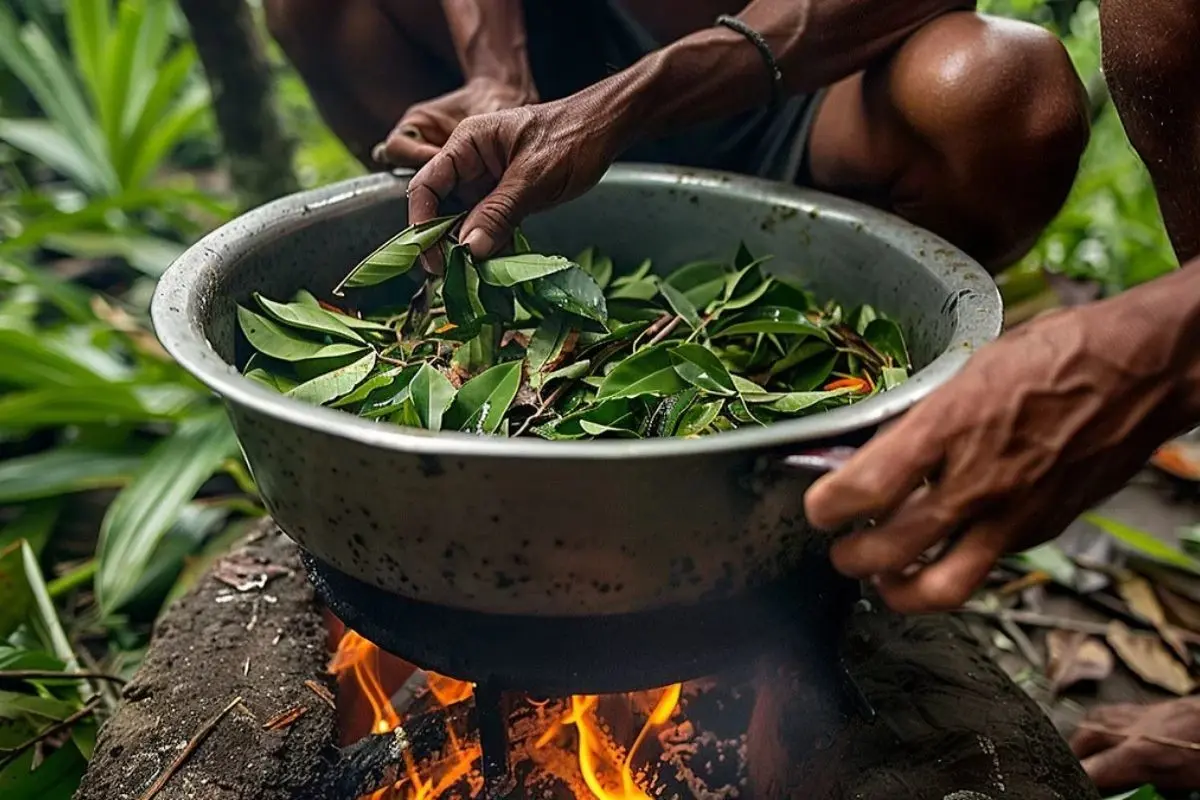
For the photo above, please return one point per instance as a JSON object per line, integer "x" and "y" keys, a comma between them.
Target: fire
{"x": 606, "y": 771}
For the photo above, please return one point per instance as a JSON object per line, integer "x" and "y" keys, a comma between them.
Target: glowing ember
{"x": 574, "y": 746}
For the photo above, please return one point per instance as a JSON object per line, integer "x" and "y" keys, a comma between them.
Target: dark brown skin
{"x": 967, "y": 125}
{"x": 1055, "y": 416}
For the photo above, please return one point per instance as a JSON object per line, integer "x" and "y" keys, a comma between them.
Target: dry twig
{"x": 187, "y": 751}
{"x": 323, "y": 693}
{"x": 285, "y": 719}
{"x": 15, "y": 753}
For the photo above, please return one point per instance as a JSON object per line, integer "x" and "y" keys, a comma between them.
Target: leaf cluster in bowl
{"x": 544, "y": 345}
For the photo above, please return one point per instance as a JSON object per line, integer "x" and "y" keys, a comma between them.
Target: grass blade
{"x": 145, "y": 509}
{"x": 1144, "y": 544}
{"x": 46, "y": 142}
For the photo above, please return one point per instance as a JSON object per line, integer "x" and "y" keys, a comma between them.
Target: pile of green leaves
{"x": 570, "y": 349}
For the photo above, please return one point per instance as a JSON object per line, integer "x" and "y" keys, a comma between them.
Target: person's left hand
{"x": 1116, "y": 756}
{"x": 1035, "y": 429}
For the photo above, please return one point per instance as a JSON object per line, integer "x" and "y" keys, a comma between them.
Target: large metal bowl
{"x": 539, "y": 528}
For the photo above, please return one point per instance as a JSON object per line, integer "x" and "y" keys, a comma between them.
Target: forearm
{"x": 1161, "y": 322}
{"x": 718, "y": 72}
{"x": 489, "y": 38}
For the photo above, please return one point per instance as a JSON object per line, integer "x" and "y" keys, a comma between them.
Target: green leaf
{"x": 861, "y": 317}
{"x": 698, "y": 417}
{"x": 63, "y": 471}
{"x": 680, "y": 304}
{"x": 14, "y": 705}
{"x": 699, "y": 367}
{"x": 701, "y": 282}
{"x": 362, "y": 325}
{"x": 573, "y": 291}
{"x": 1189, "y": 538}
{"x": 1051, "y": 559}
{"x": 801, "y": 351}
{"x": 891, "y": 377}
{"x": 388, "y": 398}
{"x": 649, "y": 371}
{"x": 137, "y": 519}
{"x": 308, "y": 318}
{"x": 280, "y": 383}
{"x": 599, "y": 266}
{"x": 332, "y": 385}
{"x": 521, "y": 268}
{"x": 460, "y": 289}
{"x": 376, "y": 382}
{"x": 431, "y": 393}
{"x": 887, "y": 338}
{"x": 771, "y": 320}
{"x": 813, "y": 373}
{"x": 614, "y": 415}
{"x": 520, "y": 243}
{"x": 481, "y": 403}
{"x": 116, "y": 403}
{"x": 1145, "y": 544}
{"x": 56, "y": 778}
{"x": 571, "y": 372}
{"x": 396, "y": 256}
{"x": 406, "y": 414}
{"x": 28, "y": 360}
{"x": 795, "y": 402}
{"x": 547, "y": 342}
{"x": 640, "y": 289}
{"x": 271, "y": 339}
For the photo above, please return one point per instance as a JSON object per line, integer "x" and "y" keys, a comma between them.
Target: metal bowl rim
{"x": 176, "y": 305}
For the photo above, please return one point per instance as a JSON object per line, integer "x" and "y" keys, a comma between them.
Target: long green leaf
{"x": 170, "y": 476}
{"x": 63, "y": 471}
{"x": 166, "y": 134}
{"x": 271, "y": 339}
{"x": 481, "y": 403}
{"x": 117, "y": 69}
{"x": 16, "y": 598}
{"x": 56, "y": 778}
{"x": 1145, "y": 544}
{"x": 335, "y": 383}
{"x": 46, "y": 142}
{"x": 80, "y": 405}
{"x": 28, "y": 360}
{"x": 698, "y": 366}
{"x": 154, "y": 37}
{"x": 650, "y": 371}
{"x": 431, "y": 394}
{"x": 511, "y": 270}
{"x": 308, "y": 318}
{"x": 88, "y": 24}
{"x": 397, "y": 255}
{"x": 46, "y": 623}
{"x": 172, "y": 77}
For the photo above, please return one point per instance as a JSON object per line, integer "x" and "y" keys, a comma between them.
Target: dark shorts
{"x": 576, "y": 43}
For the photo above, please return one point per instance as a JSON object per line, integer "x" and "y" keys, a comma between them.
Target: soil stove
{"x": 666, "y": 704}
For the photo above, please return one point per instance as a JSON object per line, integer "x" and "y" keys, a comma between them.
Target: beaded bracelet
{"x": 764, "y": 49}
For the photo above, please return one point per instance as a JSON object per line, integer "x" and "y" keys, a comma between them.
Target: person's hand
{"x": 514, "y": 162}
{"x": 1035, "y": 429}
{"x": 1111, "y": 744}
{"x": 425, "y": 127}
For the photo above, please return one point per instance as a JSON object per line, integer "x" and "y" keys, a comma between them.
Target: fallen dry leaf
{"x": 1149, "y": 659}
{"x": 1180, "y": 458}
{"x": 1076, "y": 657}
{"x": 1139, "y": 595}
{"x": 1180, "y": 610}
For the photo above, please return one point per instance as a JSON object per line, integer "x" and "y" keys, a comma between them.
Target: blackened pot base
{"x": 553, "y": 656}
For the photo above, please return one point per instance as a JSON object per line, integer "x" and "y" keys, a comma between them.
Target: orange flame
{"x": 607, "y": 771}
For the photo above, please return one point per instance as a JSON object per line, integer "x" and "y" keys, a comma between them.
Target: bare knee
{"x": 1002, "y": 112}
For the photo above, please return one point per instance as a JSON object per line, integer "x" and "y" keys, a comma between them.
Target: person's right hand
{"x": 511, "y": 163}
{"x": 426, "y": 126}
{"x": 1116, "y": 756}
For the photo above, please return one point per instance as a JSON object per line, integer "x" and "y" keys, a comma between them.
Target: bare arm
{"x": 489, "y": 38}
{"x": 718, "y": 72}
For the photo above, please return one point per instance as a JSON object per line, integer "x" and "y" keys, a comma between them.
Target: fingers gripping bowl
{"x": 577, "y": 528}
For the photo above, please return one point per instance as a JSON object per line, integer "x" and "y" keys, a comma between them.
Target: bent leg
{"x": 1152, "y": 61}
{"x": 366, "y": 61}
{"x": 973, "y": 128}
